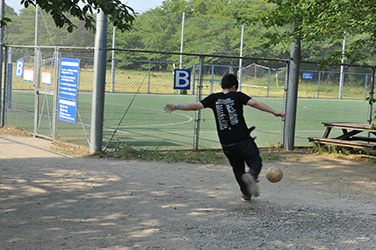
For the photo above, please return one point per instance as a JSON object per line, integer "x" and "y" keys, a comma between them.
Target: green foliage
{"x": 21, "y": 31}
{"x": 210, "y": 28}
{"x": 336, "y": 150}
{"x": 121, "y": 15}
{"x": 4, "y": 21}
{"x": 270, "y": 156}
{"x": 322, "y": 21}
{"x": 371, "y": 101}
{"x": 214, "y": 27}
{"x": 122, "y": 150}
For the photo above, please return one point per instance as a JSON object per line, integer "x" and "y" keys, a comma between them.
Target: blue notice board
{"x": 307, "y": 75}
{"x": 69, "y": 71}
{"x": 67, "y": 110}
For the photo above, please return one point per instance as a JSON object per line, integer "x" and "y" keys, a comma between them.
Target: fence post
{"x": 56, "y": 94}
{"x": 149, "y": 72}
{"x": 371, "y": 95}
{"x": 292, "y": 93}
{"x": 37, "y": 68}
{"x": 365, "y": 88}
{"x": 5, "y": 84}
{"x": 318, "y": 85}
{"x": 267, "y": 90}
{"x": 285, "y": 103}
{"x": 240, "y": 75}
{"x": 8, "y": 89}
{"x": 2, "y": 11}
{"x": 113, "y": 60}
{"x": 194, "y": 79}
{"x": 198, "y": 112}
{"x": 97, "y": 109}
{"x": 2, "y": 108}
{"x": 212, "y": 79}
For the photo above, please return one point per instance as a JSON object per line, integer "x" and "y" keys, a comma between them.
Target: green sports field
{"x": 146, "y": 125}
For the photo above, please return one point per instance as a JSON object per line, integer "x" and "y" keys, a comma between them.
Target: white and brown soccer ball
{"x": 274, "y": 174}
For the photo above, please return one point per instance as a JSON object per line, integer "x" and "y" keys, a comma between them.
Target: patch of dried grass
{"x": 66, "y": 148}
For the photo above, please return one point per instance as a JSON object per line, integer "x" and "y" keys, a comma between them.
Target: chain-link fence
{"x": 349, "y": 82}
{"x": 141, "y": 89}
{"x": 138, "y": 89}
{"x": 32, "y": 102}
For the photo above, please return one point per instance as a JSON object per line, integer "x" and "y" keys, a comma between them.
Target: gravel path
{"x": 49, "y": 200}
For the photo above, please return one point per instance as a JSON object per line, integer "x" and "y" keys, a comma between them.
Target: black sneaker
{"x": 246, "y": 198}
{"x": 250, "y": 182}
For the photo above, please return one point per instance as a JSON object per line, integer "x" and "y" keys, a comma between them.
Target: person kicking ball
{"x": 234, "y": 135}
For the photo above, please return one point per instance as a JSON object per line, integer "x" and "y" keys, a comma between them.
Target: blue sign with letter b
{"x": 182, "y": 79}
{"x": 19, "y": 68}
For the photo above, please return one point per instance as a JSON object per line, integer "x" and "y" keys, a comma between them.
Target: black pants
{"x": 245, "y": 151}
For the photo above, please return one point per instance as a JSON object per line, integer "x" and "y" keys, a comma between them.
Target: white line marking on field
{"x": 155, "y": 125}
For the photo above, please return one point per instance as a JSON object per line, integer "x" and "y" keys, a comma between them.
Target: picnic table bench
{"x": 350, "y": 135}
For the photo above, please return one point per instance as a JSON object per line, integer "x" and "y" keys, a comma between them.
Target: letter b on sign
{"x": 182, "y": 79}
{"x": 19, "y": 68}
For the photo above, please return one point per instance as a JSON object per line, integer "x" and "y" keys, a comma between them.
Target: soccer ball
{"x": 274, "y": 174}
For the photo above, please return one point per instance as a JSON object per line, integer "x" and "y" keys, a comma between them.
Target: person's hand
{"x": 281, "y": 114}
{"x": 169, "y": 108}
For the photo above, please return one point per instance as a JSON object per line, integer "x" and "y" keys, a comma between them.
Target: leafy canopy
{"x": 121, "y": 15}
{"x": 323, "y": 20}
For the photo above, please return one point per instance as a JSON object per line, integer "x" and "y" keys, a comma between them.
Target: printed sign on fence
{"x": 67, "y": 110}
{"x": 46, "y": 77}
{"x": 69, "y": 69}
{"x": 307, "y": 75}
{"x": 19, "y": 68}
{"x": 182, "y": 79}
{"x": 28, "y": 74}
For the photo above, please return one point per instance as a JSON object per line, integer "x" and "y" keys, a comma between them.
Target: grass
{"x": 343, "y": 152}
{"x": 66, "y": 148}
{"x": 11, "y": 130}
{"x": 126, "y": 152}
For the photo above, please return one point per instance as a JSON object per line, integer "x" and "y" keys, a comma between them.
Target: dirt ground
{"x": 50, "y": 200}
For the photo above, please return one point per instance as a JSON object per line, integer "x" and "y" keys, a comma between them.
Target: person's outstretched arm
{"x": 263, "y": 107}
{"x": 190, "y": 106}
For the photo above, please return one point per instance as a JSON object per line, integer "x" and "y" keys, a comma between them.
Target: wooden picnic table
{"x": 350, "y": 135}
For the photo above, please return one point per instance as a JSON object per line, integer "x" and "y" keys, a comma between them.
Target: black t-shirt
{"x": 228, "y": 112}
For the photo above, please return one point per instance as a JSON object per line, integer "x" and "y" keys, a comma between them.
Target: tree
{"x": 210, "y": 28}
{"x": 21, "y": 30}
{"x": 10, "y": 11}
{"x": 121, "y": 15}
{"x": 335, "y": 18}
{"x": 326, "y": 21}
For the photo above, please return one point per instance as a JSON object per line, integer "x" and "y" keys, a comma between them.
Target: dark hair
{"x": 229, "y": 80}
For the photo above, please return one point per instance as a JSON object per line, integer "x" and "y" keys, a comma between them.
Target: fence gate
{"x": 46, "y": 97}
